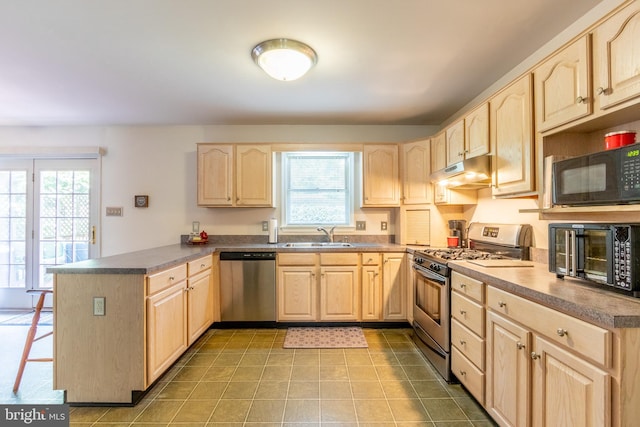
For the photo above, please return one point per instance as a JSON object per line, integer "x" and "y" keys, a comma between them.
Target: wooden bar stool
{"x": 31, "y": 337}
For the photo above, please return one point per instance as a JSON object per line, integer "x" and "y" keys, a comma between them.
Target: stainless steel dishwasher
{"x": 247, "y": 286}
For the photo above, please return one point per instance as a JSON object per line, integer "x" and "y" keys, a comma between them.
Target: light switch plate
{"x": 114, "y": 211}
{"x": 361, "y": 225}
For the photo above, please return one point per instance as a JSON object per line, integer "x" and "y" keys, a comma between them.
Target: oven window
{"x": 428, "y": 297}
{"x": 595, "y": 256}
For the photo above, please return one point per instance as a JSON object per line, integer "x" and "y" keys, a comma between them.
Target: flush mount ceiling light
{"x": 284, "y": 59}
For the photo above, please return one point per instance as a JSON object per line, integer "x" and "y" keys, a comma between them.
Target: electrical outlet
{"x": 265, "y": 225}
{"x": 383, "y": 225}
{"x": 361, "y": 225}
{"x": 98, "y": 306}
{"x": 114, "y": 211}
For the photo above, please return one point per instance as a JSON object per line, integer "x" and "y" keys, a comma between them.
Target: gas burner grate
{"x": 458, "y": 254}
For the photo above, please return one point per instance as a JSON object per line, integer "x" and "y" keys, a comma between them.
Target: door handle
{"x": 93, "y": 234}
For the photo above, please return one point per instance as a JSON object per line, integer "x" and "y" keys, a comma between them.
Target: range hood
{"x": 469, "y": 174}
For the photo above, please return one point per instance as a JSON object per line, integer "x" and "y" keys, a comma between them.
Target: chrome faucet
{"x": 328, "y": 233}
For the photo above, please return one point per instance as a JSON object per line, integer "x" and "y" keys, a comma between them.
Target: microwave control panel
{"x": 630, "y": 171}
{"x": 623, "y": 252}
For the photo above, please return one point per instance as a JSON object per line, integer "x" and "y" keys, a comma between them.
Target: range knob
{"x": 434, "y": 266}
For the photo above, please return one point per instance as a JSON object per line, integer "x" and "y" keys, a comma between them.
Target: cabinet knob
{"x": 462, "y": 286}
{"x": 171, "y": 278}
{"x": 534, "y": 355}
{"x": 463, "y": 373}
{"x": 463, "y": 342}
{"x": 519, "y": 345}
{"x": 463, "y": 312}
{"x": 601, "y": 91}
{"x": 502, "y": 304}
{"x": 562, "y": 332}
{"x": 581, "y": 100}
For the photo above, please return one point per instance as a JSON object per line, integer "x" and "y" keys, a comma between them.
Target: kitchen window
{"x": 317, "y": 188}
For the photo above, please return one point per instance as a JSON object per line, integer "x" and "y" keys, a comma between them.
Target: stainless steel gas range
{"x": 432, "y": 284}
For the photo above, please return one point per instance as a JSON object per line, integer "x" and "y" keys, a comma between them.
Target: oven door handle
{"x": 429, "y": 275}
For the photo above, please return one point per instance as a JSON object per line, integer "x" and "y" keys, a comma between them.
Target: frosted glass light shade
{"x": 284, "y": 59}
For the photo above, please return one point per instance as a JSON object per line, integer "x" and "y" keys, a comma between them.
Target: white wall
{"x": 160, "y": 161}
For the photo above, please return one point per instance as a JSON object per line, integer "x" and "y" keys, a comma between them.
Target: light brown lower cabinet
{"x": 341, "y": 286}
{"x": 149, "y": 322}
{"x": 539, "y": 373}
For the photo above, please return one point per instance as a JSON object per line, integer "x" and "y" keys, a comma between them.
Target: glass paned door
{"x": 48, "y": 216}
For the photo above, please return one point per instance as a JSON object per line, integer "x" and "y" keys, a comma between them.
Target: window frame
{"x": 350, "y": 188}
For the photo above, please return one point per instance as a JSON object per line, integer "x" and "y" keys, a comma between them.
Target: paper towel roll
{"x": 273, "y": 230}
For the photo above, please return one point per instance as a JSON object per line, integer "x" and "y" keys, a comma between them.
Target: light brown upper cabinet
{"x": 455, "y": 142}
{"x": 468, "y": 137}
{"x": 617, "y": 58}
{"x": 562, "y": 86}
{"x": 381, "y": 177}
{"x": 234, "y": 175}
{"x": 439, "y": 152}
{"x": 511, "y": 132}
{"x": 416, "y": 166}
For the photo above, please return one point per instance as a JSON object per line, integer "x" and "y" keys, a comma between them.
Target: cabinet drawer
{"x": 337, "y": 258}
{"x": 586, "y": 339}
{"x": 164, "y": 279}
{"x": 307, "y": 258}
{"x": 370, "y": 259}
{"x": 470, "y": 376}
{"x": 469, "y": 344}
{"x": 199, "y": 264}
{"x": 472, "y": 288}
{"x": 467, "y": 312}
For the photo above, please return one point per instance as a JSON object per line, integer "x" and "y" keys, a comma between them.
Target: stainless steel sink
{"x": 318, "y": 245}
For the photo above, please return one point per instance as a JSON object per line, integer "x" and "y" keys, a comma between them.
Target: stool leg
{"x": 29, "y": 342}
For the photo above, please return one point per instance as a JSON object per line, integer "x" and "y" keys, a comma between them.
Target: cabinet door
{"x": 339, "y": 293}
{"x": 508, "y": 372}
{"x": 511, "y": 133}
{"x": 215, "y": 175}
{"x": 617, "y": 56}
{"x": 394, "y": 287}
{"x": 563, "y": 86}
{"x": 567, "y": 390}
{"x": 416, "y": 165}
{"x": 371, "y": 293}
{"x": 439, "y": 152}
{"x": 297, "y": 293}
{"x": 381, "y": 176}
{"x": 166, "y": 329}
{"x": 455, "y": 142}
{"x": 199, "y": 305}
{"x": 476, "y": 131}
{"x": 253, "y": 175}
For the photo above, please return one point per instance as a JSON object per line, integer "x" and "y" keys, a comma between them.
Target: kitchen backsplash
{"x": 285, "y": 238}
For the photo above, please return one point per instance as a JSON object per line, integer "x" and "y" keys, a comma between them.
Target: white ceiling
{"x": 156, "y": 62}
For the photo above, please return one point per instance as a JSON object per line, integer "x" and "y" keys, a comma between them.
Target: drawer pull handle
{"x": 463, "y": 342}
{"x": 534, "y": 355}
{"x": 562, "y": 332}
{"x": 463, "y": 312}
{"x": 201, "y": 265}
{"x": 172, "y": 278}
{"x": 462, "y": 285}
{"x": 502, "y": 304}
{"x": 520, "y": 345}
{"x": 463, "y": 373}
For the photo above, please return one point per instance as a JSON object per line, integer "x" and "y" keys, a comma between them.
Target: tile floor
{"x": 243, "y": 377}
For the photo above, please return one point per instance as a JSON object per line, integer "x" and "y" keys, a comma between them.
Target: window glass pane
{"x": 13, "y": 212}
{"x": 317, "y": 188}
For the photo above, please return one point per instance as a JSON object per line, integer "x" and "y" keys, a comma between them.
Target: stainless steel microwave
{"x": 605, "y": 254}
{"x": 604, "y": 178}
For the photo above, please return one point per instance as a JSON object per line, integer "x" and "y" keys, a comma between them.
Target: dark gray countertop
{"x": 149, "y": 261}
{"x": 571, "y": 296}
